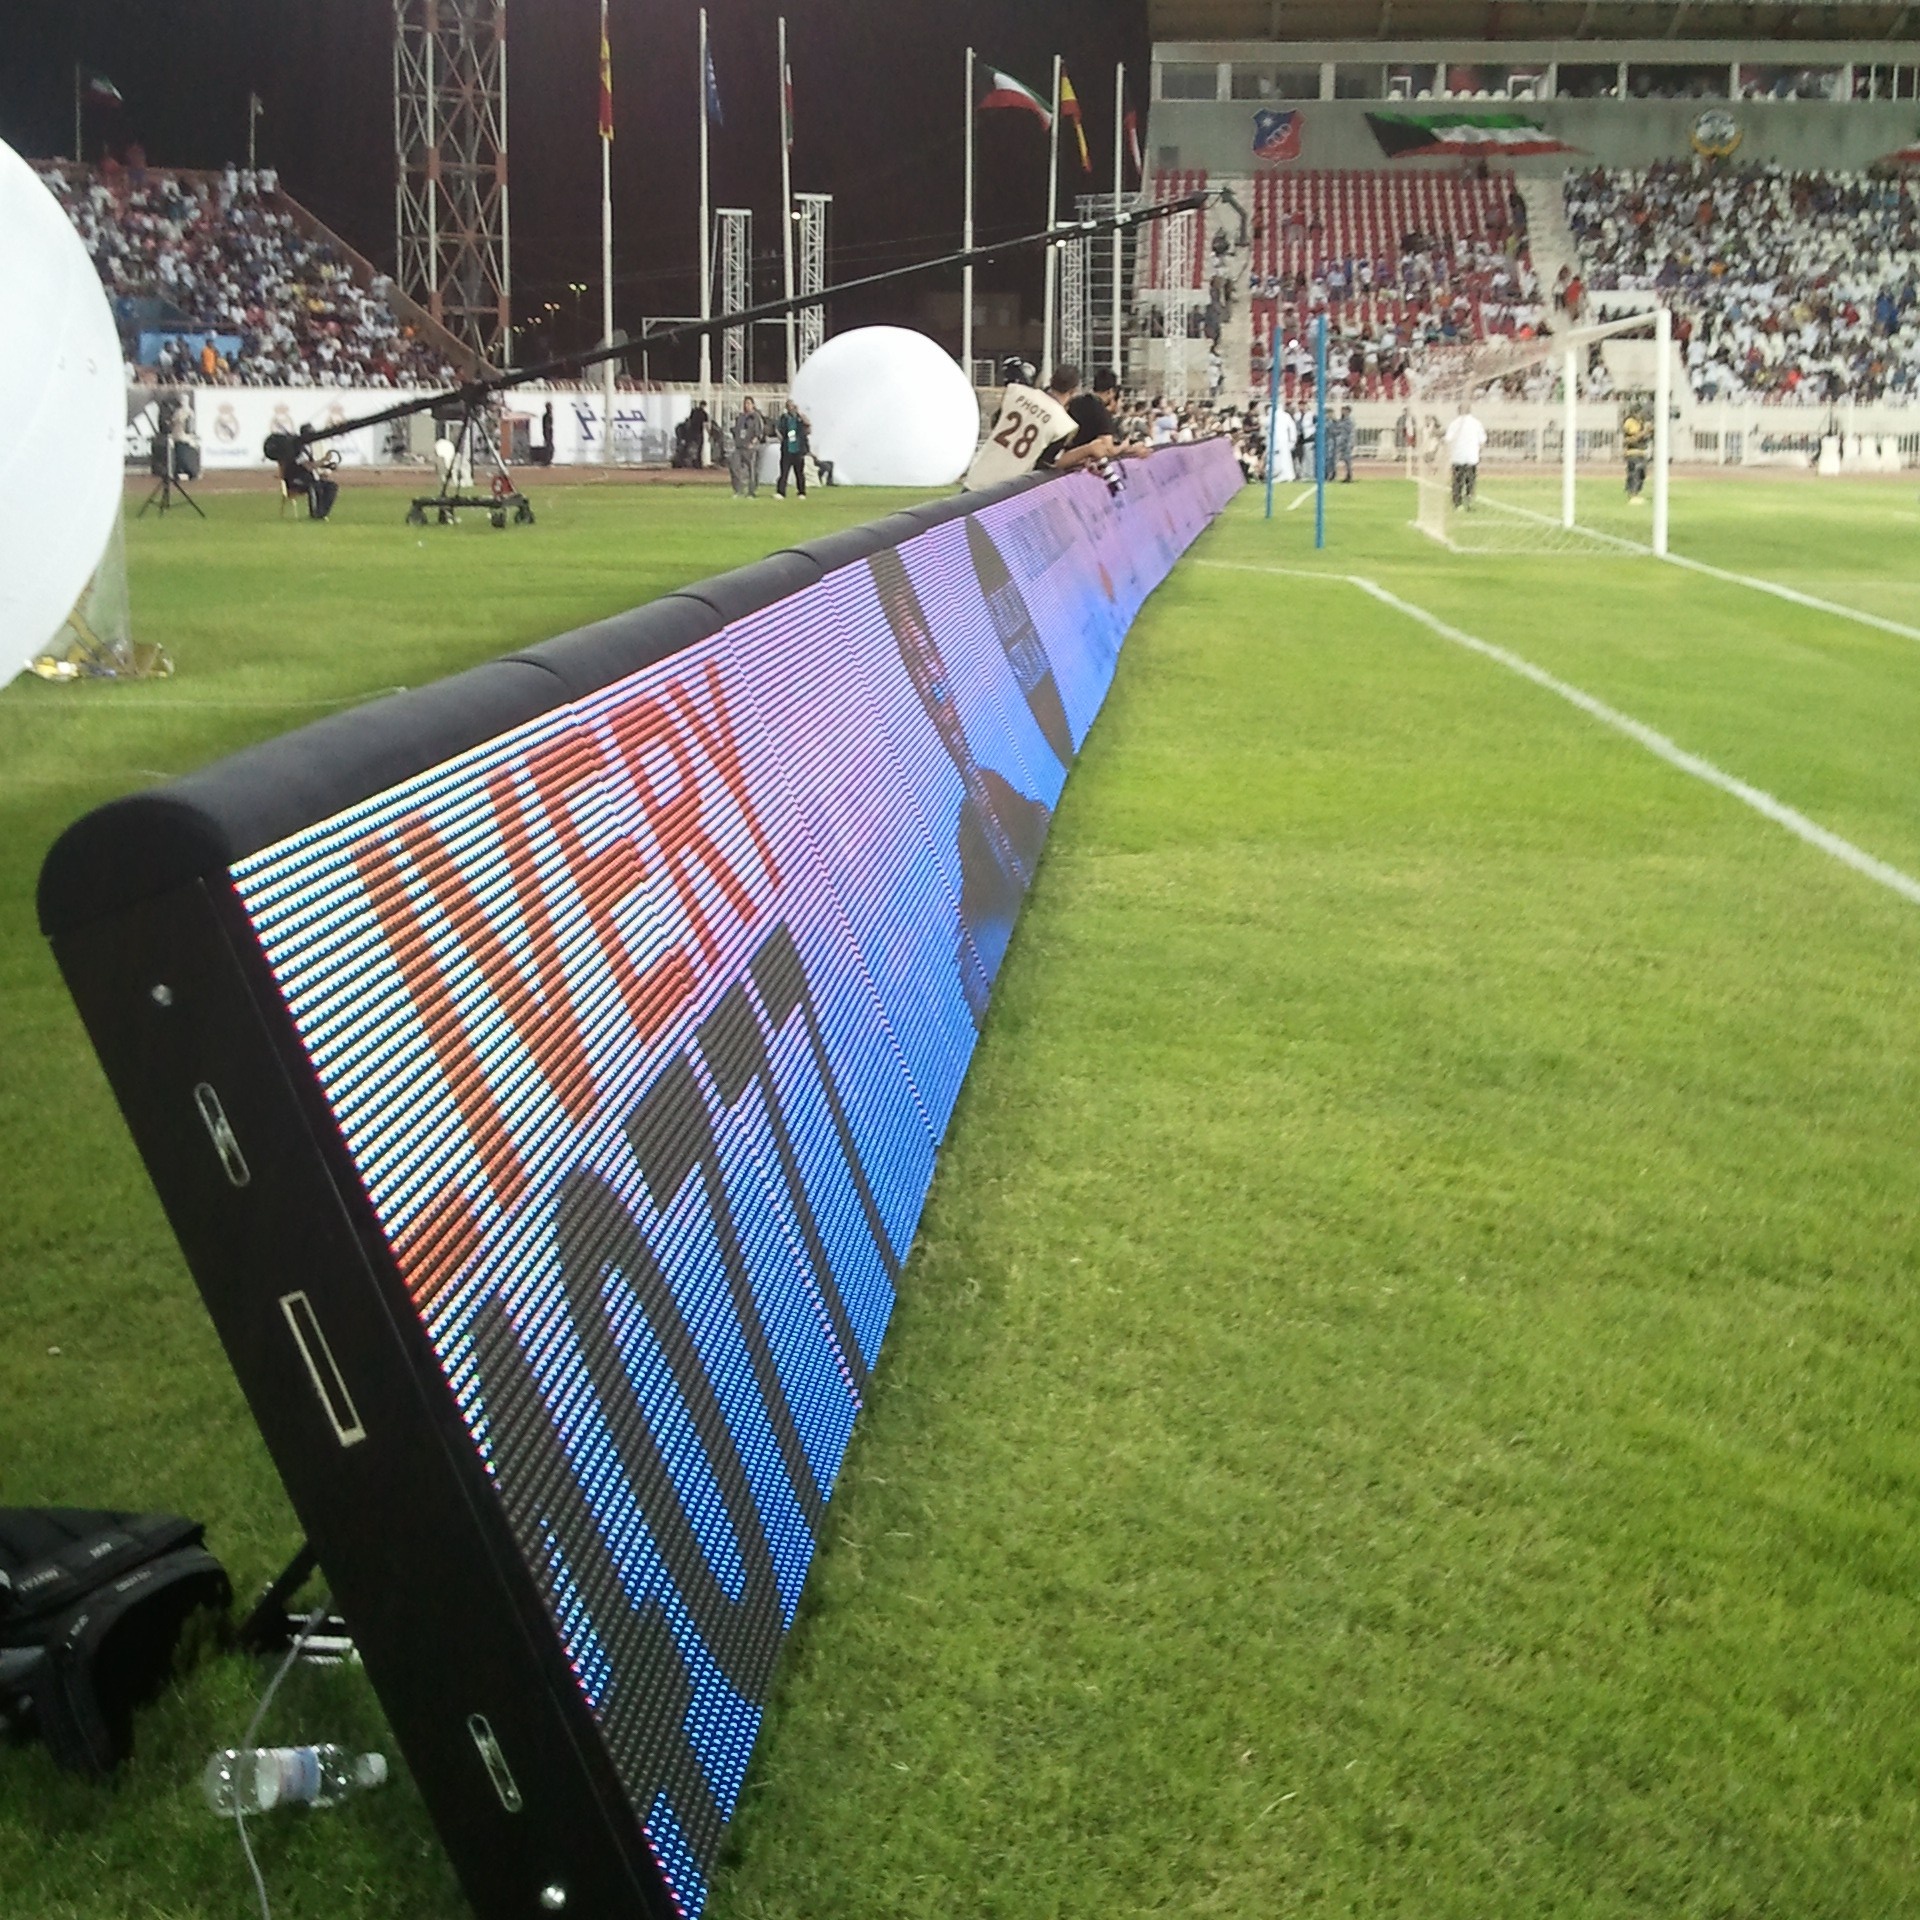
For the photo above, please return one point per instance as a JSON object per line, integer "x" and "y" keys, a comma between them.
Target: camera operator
{"x": 301, "y": 478}
{"x": 175, "y": 454}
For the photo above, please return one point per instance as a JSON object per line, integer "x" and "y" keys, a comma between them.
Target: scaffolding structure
{"x": 1180, "y": 301}
{"x": 734, "y": 245}
{"x": 811, "y": 212}
{"x": 1073, "y": 302}
{"x": 1107, "y": 299}
{"x": 452, "y": 234}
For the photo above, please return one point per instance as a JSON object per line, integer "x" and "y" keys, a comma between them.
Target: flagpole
{"x": 966, "y": 241}
{"x": 786, "y": 194}
{"x": 1119, "y": 187}
{"x": 1053, "y": 214}
{"x": 706, "y": 234}
{"x": 253, "y": 116}
{"x": 606, "y": 241}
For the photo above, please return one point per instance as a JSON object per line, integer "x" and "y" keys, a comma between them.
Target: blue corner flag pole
{"x": 1273, "y": 410}
{"x": 1320, "y": 432}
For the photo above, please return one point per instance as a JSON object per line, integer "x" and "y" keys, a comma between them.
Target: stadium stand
{"x": 223, "y": 279}
{"x": 1785, "y": 286}
{"x": 1398, "y": 262}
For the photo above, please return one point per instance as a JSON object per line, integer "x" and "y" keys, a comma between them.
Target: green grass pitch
{"x": 1407, "y": 1397}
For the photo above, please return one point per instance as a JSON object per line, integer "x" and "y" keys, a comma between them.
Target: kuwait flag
{"x": 992, "y": 88}
{"x": 1410, "y": 136}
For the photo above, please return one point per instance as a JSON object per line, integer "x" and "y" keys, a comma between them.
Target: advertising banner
{"x": 233, "y": 422}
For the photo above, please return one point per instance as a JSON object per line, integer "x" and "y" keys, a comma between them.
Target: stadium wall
{"x": 544, "y": 1074}
{"x": 1809, "y": 135}
{"x": 1867, "y": 439}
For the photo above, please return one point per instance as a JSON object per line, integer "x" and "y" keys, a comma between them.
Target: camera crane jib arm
{"x": 474, "y": 393}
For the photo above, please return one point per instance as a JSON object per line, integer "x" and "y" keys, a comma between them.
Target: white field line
{"x": 1753, "y": 581}
{"x": 1798, "y": 598}
{"x": 1560, "y": 526}
{"x": 1300, "y": 499}
{"x": 1762, "y": 802}
{"x": 1290, "y": 573}
{"x": 1485, "y": 503}
{"x": 1660, "y": 746}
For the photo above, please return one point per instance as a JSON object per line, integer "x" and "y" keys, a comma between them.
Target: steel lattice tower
{"x": 450, "y": 167}
{"x": 810, "y": 266}
{"x": 735, "y": 237}
{"x": 1073, "y": 300}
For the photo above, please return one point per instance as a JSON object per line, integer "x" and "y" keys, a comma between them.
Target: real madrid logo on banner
{"x": 1716, "y": 133}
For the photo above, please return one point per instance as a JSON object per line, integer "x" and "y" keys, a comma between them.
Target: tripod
{"x": 475, "y": 444}
{"x": 167, "y": 481}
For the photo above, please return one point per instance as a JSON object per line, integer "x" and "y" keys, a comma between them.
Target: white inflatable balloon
{"x": 889, "y": 408}
{"x": 62, "y": 415}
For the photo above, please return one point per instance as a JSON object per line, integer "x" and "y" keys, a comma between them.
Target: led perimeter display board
{"x": 543, "y": 1073}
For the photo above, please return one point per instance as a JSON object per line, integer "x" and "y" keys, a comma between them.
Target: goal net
{"x": 1552, "y": 445}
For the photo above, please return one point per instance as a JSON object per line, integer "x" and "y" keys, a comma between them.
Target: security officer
{"x": 1340, "y": 445}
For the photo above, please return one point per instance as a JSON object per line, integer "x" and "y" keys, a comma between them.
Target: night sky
{"x": 878, "y": 123}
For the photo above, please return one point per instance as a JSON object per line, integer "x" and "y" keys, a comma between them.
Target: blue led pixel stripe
{"x": 642, "y": 1024}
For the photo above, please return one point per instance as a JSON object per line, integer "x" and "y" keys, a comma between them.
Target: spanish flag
{"x": 606, "y": 78}
{"x": 1070, "y": 110}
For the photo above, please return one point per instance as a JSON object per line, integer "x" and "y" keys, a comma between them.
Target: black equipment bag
{"x": 91, "y": 1607}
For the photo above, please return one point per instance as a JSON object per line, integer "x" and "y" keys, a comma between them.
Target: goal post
{"x": 1562, "y": 456}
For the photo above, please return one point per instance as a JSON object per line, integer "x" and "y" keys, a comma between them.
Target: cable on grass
{"x": 252, "y": 1734}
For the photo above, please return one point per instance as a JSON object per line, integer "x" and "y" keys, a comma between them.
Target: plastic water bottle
{"x": 254, "y": 1779}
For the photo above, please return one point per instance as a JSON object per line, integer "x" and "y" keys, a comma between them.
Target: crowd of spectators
{"x": 1784, "y": 286}
{"x": 1385, "y": 316}
{"x": 225, "y": 254}
{"x": 1154, "y": 420}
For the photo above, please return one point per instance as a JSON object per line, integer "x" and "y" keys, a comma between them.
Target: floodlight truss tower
{"x": 452, "y": 231}
{"x": 1073, "y": 301}
{"x": 1104, "y": 326}
{"x": 811, "y": 211}
{"x": 735, "y": 249}
{"x": 1179, "y": 237}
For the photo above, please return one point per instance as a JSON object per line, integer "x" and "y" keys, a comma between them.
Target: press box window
{"x": 1276, "y": 83}
{"x": 1190, "y": 82}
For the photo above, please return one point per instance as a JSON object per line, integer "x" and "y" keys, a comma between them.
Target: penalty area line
{"x": 1754, "y": 581}
{"x": 1675, "y": 755}
{"x": 1794, "y": 594}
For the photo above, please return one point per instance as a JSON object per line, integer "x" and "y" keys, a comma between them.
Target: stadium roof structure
{"x": 1328, "y": 20}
